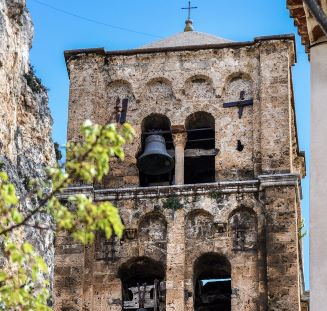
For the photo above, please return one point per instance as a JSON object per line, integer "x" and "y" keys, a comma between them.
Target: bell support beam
{"x": 195, "y": 153}
{"x": 179, "y": 139}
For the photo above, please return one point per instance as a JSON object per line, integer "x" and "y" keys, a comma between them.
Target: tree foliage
{"x": 23, "y": 282}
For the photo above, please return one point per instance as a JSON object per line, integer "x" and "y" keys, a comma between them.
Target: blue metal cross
{"x": 189, "y": 8}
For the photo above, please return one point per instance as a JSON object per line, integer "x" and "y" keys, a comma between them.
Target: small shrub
{"x": 34, "y": 82}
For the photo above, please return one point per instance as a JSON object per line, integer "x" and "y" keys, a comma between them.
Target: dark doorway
{"x": 212, "y": 283}
{"x": 142, "y": 285}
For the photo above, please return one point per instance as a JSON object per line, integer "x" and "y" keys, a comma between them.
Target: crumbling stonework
{"x": 237, "y": 229}
{"x": 25, "y": 129}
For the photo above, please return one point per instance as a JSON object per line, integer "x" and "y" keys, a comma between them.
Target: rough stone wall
{"x": 246, "y": 221}
{"x": 264, "y": 265}
{"x": 25, "y": 128}
{"x": 282, "y": 249}
{"x": 177, "y": 84}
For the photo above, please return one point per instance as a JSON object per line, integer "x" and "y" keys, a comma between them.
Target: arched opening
{"x": 200, "y": 149}
{"x": 212, "y": 283}
{"x": 142, "y": 285}
{"x": 155, "y": 161}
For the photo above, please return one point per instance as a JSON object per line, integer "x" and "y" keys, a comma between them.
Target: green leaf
{"x": 41, "y": 264}
{"x": 3, "y": 276}
{"x": 27, "y": 248}
{"x": 16, "y": 216}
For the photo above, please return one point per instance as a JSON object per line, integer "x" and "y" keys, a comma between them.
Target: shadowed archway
{"x": 212, "y": 283}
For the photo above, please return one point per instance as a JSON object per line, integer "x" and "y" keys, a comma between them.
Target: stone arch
{"x": 243, "y": 228}
{"x": 235, "y": 84}
{"x": 199, "y": 120}
{"x": 153, "y": 236}
{"x": 199, "y": 225}
{"x": 156, "y": 124}
{"x": 159, "y": 90}
{"x": 122, "y": 89}
{"x": 140, "y": 274}
{"x": 155, "y": 121}
{"x": 199, "y": 87}
{"x": 212, "y": 282}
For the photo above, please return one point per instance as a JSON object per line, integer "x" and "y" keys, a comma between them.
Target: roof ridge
{"x": 186, "y": 39}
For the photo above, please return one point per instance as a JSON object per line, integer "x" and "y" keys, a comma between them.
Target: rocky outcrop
{"x": 26, "y": 146}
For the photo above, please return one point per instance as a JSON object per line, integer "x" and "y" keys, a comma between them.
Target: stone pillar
{"x": 69, "y": 273}
{"x": 282, "y": 249}
{"x": 318, "y": 194}
{"x": 179, "y": 139}
{"x": 88, "y": 277}
{"x": 175, "y": 300}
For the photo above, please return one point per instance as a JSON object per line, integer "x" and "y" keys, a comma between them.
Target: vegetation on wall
{"x": 172, "y": 203}
{"x": 217, "y": 196}
{"x": 23, "y": 284}
{"x": 34, "y": 82}
{"x": 301, "y": 230}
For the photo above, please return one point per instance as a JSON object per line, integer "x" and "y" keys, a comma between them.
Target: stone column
{"x": 179, "y": 140}
{"x": 282, "y": 249}
{"x": 318, "y": 193}
{"x": 175, "y": 300}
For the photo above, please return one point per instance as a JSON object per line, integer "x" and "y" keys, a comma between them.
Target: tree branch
{"x": 52, "y": 194}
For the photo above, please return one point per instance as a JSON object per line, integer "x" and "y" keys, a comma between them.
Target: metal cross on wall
{"x": 108, "y": 249}
{"x": 121, "y": 110}
{"x": 239, "y": 234}
{"x": 189, "y": 8}
{"x": 240, "y": 104}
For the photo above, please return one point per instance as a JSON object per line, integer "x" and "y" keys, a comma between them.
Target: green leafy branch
{"x": 21, "y": 287}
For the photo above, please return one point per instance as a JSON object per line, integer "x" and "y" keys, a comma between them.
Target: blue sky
{"x": 149, "y": 20}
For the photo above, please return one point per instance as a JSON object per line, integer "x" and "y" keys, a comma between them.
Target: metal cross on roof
{"x": 189, "y": 8}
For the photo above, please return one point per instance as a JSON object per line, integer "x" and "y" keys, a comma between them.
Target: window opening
{"x": 156, "y": 161}
{"x": 212, "y": 282}
{"x": 142, "y": 284}
{"x": 200, "y": 149}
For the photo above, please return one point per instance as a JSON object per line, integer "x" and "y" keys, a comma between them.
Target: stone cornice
{"x": 278, "y": 180}
{"x": 223, "y": 187}
{"x": 71, "y": 54}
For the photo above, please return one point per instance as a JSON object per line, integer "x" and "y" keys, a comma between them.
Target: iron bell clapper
{"x": 155, "y": 160}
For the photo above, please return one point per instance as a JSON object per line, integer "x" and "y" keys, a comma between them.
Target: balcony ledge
{"x": 223, "y": 187}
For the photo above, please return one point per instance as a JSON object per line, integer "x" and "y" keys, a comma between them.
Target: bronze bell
{"x": 155, "y": 160}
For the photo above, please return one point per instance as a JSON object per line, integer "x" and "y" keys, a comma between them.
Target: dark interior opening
{"x": 240, "y": 146}
{"x": 199, "y": 170}
{"x": 141, "y": 277}
{"x": 200, "y": 149}
{"x": 160, "y": 125}
{"x": 212, "y": 283}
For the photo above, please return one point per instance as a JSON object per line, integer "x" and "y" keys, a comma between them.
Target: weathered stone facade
{"x": 223, "y": 238}
{"x": 26, "y": 146}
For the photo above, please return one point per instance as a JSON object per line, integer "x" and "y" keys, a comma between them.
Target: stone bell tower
{"x": 210, "y": 189}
